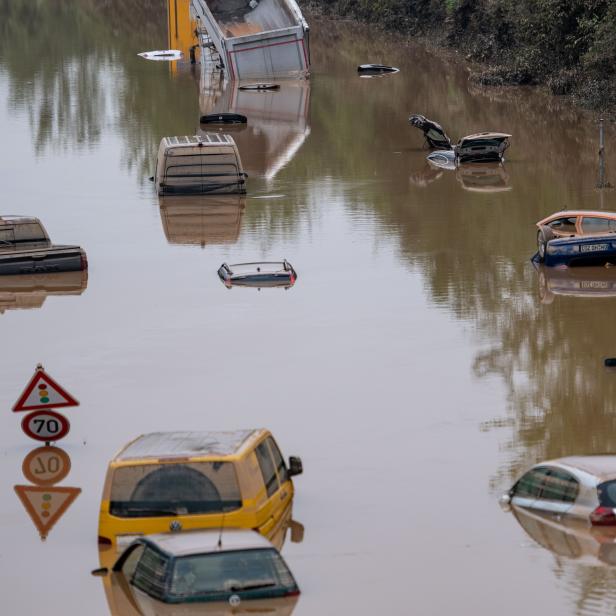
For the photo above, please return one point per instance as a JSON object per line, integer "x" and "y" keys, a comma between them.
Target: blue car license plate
{"x": 594, "y": 247}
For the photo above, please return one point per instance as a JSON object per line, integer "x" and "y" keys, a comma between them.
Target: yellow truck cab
{"x": 175, "y": 481}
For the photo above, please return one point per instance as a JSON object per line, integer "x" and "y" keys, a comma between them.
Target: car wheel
{"x": 544, "y": 235}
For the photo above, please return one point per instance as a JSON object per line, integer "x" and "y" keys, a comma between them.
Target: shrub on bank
{"x": 568, "y": 45}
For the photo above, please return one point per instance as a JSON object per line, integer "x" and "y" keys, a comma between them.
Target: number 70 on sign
{"x": 45, "y": 426}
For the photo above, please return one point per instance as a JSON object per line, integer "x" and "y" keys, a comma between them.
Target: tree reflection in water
{"x": 78, "y": 86}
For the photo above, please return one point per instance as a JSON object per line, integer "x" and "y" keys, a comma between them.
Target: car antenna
{"x": 222, "y": 525}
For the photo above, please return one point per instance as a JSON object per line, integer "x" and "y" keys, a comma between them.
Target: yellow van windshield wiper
{"x": 150, "y": 511}
{"x": 253, "y": 586}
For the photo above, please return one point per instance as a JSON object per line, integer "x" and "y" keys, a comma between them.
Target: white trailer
{"x": 255, "y": 39}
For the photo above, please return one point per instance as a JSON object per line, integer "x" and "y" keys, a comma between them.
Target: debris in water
{"x": 223, "y": 118}
{"x": 168, "y": 55}
{"x": 258, "y": 87}
{"x": 376, "y": 69}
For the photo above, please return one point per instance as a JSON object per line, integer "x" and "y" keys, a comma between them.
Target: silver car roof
{"x": 12, "y": 218}
{"x": 206, "y": 541}
{"x": 602, "y": 467}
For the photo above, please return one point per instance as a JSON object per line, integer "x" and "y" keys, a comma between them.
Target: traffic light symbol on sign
{"x": 46, "y": 506}
{"x": 43, "y": 393}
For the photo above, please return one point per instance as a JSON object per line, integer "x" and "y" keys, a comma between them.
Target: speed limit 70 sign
{"x": 45, "y": 426}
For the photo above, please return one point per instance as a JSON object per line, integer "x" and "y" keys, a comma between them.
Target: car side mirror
{"x": 100, "y": 572}
{"x": 505, "y": 502}
{"x": 295, "y": 466}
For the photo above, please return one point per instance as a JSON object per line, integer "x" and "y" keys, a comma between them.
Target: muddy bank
{"x": 568, "y": 47}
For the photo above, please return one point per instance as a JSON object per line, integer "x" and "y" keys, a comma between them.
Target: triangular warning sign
{"x": 46, "y": 505}
{"x": 42, "y": 392}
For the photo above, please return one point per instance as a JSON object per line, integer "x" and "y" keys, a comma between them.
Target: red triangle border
{"x": 39, "y": 375}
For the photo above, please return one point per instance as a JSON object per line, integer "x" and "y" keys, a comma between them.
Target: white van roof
{"x": 207, "y": 139}
{"x": 12, "y": 219}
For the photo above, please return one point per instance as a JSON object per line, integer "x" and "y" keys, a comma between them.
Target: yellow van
{"x": 174, "y": 481}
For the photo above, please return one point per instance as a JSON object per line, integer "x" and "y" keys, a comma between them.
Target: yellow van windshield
{"x": 174, "y": 489}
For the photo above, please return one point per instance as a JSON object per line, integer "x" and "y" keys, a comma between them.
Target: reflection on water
{"x": 474, "y": 177}
{"x": 483, "y": 177}
{"x": 570, "y": 539}
{"x": 45, "y": 502}
{"x": 124, "y": 599}
{"x": 214, "y": 219}
{"x": 277, "y": 120}
{"x": 584, "y": 556}
{"x": 575, "y": 282}
{"x": 24, "y": 292}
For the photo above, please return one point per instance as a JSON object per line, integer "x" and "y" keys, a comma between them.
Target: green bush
{"x": 569, "y": 45}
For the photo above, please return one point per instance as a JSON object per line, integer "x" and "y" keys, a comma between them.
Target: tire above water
{"x": 544, "y": 235}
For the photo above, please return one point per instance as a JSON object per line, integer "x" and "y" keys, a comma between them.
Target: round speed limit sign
{"x": 45, "y": 426}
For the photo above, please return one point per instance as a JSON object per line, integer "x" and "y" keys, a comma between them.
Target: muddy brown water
{"x": 418, "y": 365}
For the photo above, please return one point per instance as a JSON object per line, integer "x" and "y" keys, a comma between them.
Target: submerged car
{"x": 200, "y": 572}
{"x": 579, "y": 486}
{"x": 443, "y": 159}
{"x": 577, "y": 237}
{"x": 25, "y": 248}
{"x": 199, "y": 164}
{"x": 193, "y": 480}
{"x": 479, "y": 147}
{"x": 261, "y": 274}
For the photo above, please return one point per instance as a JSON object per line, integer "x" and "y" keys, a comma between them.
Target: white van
{"x": 199, "y": 164}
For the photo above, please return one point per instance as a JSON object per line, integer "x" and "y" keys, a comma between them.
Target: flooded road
{"x": 418, "y": 365}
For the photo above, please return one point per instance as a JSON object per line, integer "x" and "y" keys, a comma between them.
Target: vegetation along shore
{"x": 569, "y": 46}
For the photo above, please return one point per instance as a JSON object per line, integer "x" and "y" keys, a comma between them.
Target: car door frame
{"x": 271, "y": 504}
{"x": 560, "y": 234}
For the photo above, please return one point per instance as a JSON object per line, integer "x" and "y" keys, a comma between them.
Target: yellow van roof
{"x": 185, "y": 444}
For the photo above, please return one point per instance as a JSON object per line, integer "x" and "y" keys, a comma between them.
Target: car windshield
{"x": 231, "y": 572}
{"x": 174, "y": 489}
{"x": 607, "y": 493}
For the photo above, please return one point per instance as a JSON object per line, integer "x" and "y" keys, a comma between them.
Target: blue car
{"x": 577, "y": 237}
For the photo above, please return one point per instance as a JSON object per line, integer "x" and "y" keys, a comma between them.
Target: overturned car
{"x": 479, "y": 147}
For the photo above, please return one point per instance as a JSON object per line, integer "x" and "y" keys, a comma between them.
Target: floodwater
{"x": 417, "y": 366}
